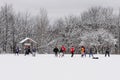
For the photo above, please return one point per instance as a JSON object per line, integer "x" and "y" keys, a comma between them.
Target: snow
{"x": 27, "y": 39}
{"x": 49, "y": 67}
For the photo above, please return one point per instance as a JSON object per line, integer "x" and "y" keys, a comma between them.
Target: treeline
{"x": 97, "y": 27}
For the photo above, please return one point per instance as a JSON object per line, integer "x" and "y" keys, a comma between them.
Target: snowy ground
{"x": 48, "y": 67}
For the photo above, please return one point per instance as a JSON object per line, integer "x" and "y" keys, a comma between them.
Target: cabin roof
{"x": 22, "y": 41}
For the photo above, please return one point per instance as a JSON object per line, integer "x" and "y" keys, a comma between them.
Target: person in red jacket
{"x": 72, "y": 50}
{"x": 63, "y": 50}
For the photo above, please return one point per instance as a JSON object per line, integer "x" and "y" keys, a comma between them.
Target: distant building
{"x": 27, "y": 42}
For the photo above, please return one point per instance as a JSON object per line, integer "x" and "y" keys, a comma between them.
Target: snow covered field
{"x": 48, "y": 67}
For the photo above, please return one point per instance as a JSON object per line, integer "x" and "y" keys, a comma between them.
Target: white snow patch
{"x": 49, "y": 67}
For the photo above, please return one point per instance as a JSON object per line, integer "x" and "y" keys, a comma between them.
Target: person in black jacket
{"x": 107, "y": 52}
{"x": 56, "y": 50}
{"x": 17, "y": 50}
{"x": 26, "y": 51}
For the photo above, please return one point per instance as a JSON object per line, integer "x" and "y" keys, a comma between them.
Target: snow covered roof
{"x": 27, "y": 39}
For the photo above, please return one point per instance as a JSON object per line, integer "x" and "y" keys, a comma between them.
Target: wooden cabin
{"x": 27, "y": 43}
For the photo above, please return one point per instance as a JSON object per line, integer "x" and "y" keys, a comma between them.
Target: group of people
{"x": 82, "y": 51}
{"x": 62, "y": 51}
{"x": 27, "y": 51}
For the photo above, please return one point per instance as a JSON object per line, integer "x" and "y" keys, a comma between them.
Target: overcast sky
{"x": 59, "y": 8}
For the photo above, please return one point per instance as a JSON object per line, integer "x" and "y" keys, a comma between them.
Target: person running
{"x": 91, "y": 52}
{"x": 29, "y": 50}
{"x": 17, "y": 50}
{"x": 61, "y": 53}
{"x": 83, "y": 51}
{"x": 26, "y": 51}
{"x": 34, "y": 52}
{"x": 72, "y": 50}
{"x": 63, "y": 50}
{"x": 107, "y": 52}
{"x": 56, "y": 50}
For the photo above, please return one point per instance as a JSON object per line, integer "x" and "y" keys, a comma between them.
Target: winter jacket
{"x": 91, "y": 50}
{"x": 82, "y": 49}
{"x": 34, "y": 50}
{"x": 107, "y": 50}
{"x": 63, "y": 49}
{"x": 55, "y": 49}
{"x": 72, "y": 49}
{"x": 17, "y": 50}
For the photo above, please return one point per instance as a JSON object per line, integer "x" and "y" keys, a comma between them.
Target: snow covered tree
{"x": 7, "y": 21}
{"x": 118, "y": 28}
{"x": 97, "y": 17}
{"x": 42, "y": 23}
{"x": 97, "y": 26}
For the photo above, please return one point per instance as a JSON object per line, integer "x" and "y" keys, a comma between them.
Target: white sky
{"x": 59, "y": 8}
